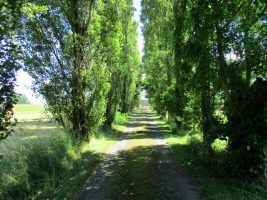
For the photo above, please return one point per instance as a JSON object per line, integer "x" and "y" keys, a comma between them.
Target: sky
{"x": 137, "y": 15}
{"x": 24, "y": 80}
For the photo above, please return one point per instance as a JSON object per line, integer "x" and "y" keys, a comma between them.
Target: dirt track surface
{"x": 140, "y": 166}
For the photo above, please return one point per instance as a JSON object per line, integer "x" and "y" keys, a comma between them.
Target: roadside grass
{"x": 89, "y": 157}
{"x": 40, "y": 161}
{"x": 211, "y": 179}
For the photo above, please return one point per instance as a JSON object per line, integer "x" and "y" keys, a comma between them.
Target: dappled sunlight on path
{"x": 139, "y": 166}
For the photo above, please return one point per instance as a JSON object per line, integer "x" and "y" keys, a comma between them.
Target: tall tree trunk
{"x": 110, "y": 115}
{"x": 247, "y": 60}
{"x": 124, "y": 108}
{"x": 112, "y": 101}
{"x": 206, "y": 117}
{"x": 206, "y": 108}
{"x": 179, "y": 66}
{"x": 79, "y": 25}
{"x": 222, "y": 64}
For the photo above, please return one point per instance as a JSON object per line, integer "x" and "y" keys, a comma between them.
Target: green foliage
{"x": 214, "y": 182}
{"x": 248, "y": 156}
{"x": 66, "y": 71}
{"x": 9, "y": 56}
{"x": 117, "y": 47}
{"x": 121, "y": 118}
{"x": 85, "y": 67}
{"x": 200, "y": 60}
{"x": 158, "y": 58}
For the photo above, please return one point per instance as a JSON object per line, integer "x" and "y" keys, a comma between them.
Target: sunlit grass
{"x": 177, "y": 139}
{"x": 39, "y": 139}
{"x": 189, "y": 150}
{"x": 100, "y": 144}
{"x": 30, "y": 109}
{"x": 119, "y": 127}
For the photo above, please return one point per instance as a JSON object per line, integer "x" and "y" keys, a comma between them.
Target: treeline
{"x": 82, "y": 55}
{"x": 205, "y": 64}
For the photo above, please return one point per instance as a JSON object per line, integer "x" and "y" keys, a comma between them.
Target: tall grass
{"x": 40, "y": 161}
{"x": 36, "y": 168}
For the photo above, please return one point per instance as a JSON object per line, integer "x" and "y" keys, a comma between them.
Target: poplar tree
{"x": 60, "y": 57}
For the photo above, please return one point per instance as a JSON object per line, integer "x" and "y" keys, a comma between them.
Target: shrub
{"x": 121, "y": 118}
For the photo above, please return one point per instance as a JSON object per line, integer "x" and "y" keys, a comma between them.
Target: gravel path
{"x": 140, "y": 166}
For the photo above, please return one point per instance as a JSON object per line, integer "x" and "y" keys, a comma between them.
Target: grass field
{"x": 40, "y": 161}
{"x": 29, "y": 109}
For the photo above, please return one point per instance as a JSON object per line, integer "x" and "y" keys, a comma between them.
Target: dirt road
{"x": 140, "y": 166}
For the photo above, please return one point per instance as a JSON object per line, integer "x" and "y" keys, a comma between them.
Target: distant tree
{"x": 9, "y": 55}
{"x": 118, "y": 47}
{"x": 22, "y": 99}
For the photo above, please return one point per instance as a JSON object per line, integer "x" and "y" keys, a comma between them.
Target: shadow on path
{"x": 140, "y": 166}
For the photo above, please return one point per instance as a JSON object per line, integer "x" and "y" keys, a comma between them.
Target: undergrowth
{"x": 44, "y": 168}
{"x": 121, "y": 118}
{"x": 208, "y": 171}
{"x": 40, "y": 161}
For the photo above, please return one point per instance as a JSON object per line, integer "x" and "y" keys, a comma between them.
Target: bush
{"x": 121, "y": 118}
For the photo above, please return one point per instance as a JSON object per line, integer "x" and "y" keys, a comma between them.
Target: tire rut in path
{"x": 140, "y": 166}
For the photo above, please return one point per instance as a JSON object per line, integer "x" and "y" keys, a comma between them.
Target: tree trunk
{"x": 179, "y": 66}
{"x": 111, "y": 110}
{"x": 124, "y": 108}
{"x": 247, "y": 60}
{"x": 80, "y": 29}
{"x": 206, "y": 121}
{"x": 222, "y": 64}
